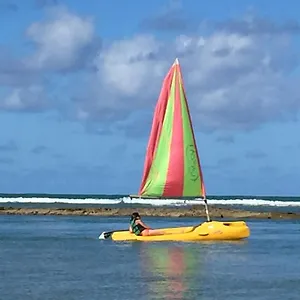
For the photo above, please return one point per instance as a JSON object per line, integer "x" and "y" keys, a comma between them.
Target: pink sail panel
{"x": 175, "y": 175}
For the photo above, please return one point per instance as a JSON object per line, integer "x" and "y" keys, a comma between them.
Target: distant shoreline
{"x": 193, "y": 211}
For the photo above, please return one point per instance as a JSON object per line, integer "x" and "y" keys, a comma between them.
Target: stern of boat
{"x": 216, "y": 230}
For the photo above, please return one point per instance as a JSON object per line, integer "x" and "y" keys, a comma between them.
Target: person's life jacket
{"x": 136, "y": 228}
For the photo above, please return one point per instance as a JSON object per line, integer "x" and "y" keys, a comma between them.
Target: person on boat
{"x": 138, "y": 227}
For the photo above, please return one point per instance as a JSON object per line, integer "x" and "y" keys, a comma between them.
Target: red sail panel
{"x": 157, "y": 124}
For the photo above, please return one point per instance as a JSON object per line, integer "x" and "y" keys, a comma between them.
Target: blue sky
{"x": 79, "y": 81}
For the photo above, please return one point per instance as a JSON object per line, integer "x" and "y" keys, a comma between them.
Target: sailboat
{"x": 172, "y": 168}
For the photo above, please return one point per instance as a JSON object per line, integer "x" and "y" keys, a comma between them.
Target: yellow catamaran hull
{"x": 207, "y": 231}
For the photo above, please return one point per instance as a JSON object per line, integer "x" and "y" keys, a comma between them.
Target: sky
{"x": 79, "y": 81}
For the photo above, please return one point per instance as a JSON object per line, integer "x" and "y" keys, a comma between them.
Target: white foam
{"x": 60, "y": 200}
{"x": 255, "y": 202}
{"x": 245, "y": 202}
{"x": 154, "y": 202}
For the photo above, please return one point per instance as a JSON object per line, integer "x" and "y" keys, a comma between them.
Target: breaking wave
{"x": 289, "y": 202}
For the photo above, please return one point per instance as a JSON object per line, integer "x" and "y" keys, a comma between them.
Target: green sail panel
{"x": 193, "y": 181}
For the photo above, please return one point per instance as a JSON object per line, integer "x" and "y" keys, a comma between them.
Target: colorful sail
{"x": 172, "y": 166}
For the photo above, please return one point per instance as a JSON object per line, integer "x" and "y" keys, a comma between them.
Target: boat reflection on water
{"x": 171, "y": 269}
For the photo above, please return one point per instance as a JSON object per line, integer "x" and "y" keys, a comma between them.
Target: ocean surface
{"x": 61, "y": 257}
{"x": 291, "y": 204}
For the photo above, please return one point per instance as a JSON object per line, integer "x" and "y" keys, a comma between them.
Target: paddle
{"x": 107, "y": 234}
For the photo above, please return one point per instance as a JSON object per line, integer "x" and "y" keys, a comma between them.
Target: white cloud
{"x": 59, "y": 40}
{"x": 130, "y": 65}
{"x": 63, "y": 42}
{"x": 232, "y": 79}
{"x": 236, "y": 80}
{"x": 234, "y": 76}
{"x": 32, "y": 98}
{"x": 128, "y": 72}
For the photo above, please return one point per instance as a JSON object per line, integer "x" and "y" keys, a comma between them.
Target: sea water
{"x": 60, "y": 257}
